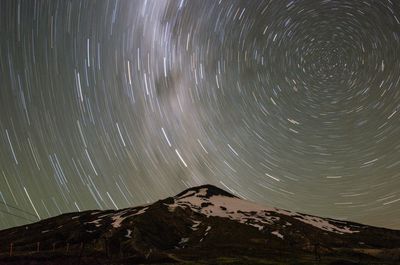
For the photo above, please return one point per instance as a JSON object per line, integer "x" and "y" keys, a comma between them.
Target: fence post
{"x": 67, "y": 247}
{"x": 38, "y": 247}
{"x": 11, "y": 249}
{"x": 106, "y": 247}
{"x": 82, "y": 249}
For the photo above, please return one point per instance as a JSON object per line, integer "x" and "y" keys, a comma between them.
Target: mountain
{"x": 201, "y": 225}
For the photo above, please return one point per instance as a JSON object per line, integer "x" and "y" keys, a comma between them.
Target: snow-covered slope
{"x": 211, "y": 202}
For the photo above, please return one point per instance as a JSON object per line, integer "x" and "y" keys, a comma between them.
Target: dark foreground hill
{"x": 201, "y": 225}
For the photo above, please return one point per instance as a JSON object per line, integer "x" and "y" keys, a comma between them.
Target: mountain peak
{"x": 206, "y": 191}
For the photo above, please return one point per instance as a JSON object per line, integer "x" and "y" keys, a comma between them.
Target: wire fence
{"x": 64, "y": 248}
{"x": 9, "y": 206}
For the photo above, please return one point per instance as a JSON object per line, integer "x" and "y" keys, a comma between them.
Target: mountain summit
{"x": 204, "y": 224}
{"x": 205, "y": 190}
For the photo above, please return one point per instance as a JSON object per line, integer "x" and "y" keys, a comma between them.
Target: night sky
{"x": 113, "y": 104}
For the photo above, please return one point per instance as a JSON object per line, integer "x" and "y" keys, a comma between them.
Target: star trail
{"x": 112, "y": 104}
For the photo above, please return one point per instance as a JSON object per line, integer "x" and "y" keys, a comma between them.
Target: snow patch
{"x": 141, "y": 211}
{"x": 195, "y": 225}
{"x": 183, "y": 240}
{"x": 202, "y": 192}
{"x": 129, "y": 232}
{"x": 319, "y": 222}
{"x": 95, "y": 222}
{"x": 118, "y": 219}
{"x": 260, "y": 227}
{"x": 276, "y": 233}
{"x": 171, "y": 207}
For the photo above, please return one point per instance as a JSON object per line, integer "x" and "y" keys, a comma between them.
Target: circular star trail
{"x": 111, "y": 104}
